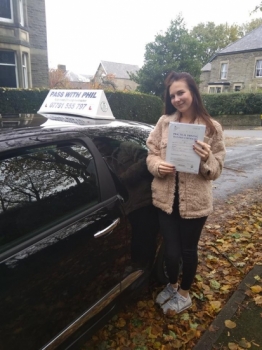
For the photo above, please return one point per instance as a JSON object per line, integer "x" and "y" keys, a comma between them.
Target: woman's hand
{"x": 202, "y": 149}
{"x": 165, "y": 168}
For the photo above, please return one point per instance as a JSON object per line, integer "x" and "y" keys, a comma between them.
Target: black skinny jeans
{"x": 181, "y": 238}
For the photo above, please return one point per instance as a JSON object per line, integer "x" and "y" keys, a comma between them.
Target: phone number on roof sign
{"x": 58, "y": 105}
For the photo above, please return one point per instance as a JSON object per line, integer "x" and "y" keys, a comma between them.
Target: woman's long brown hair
{"x": 199, "y": 108}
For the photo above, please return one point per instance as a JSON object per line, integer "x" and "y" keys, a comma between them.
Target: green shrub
{"x": 13, "y": 101}
{"x": 124, "y": 105}
{"x": 135, "y": 106}
{"x": 233, "y": 103}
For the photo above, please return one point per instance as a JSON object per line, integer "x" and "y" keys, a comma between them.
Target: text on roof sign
{"x": 73, "y": 94}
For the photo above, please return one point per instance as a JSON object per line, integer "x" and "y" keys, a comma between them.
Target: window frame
{"x": 258, "y": 59}
{"x": 9, "y": 20}
{"x": 25, "y": 70}
{"x": 222, "y": 71}
{"x": 215, "y": 86}
{"x": 106, "y": 184}
{"x": 11, "y": 65}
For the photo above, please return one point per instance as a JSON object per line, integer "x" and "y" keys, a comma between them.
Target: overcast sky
{"x": 81, "y": 33}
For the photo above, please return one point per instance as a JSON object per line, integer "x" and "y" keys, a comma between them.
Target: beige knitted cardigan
{"x": 195, "y": 190}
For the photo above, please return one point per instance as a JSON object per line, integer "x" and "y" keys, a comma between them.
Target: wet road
{"x": 243, "y": 163}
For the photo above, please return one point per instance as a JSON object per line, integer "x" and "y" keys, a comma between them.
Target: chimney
{"x": 61, "y": 67}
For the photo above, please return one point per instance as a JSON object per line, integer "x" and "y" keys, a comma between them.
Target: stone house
{"x": 238, "y": 67}
{"x": 61, "y": 78}
{"x": 23, "y": 44}
{"x": 116, "y": 75}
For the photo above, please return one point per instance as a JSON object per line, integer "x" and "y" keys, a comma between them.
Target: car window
{"x": 41, "y": 187}
{"x": 127, "y": 159}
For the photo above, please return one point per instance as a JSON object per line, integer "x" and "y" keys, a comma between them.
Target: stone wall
{"x": 204, "y": 80}
{"x": 38, "y": 42}
{"x": 239, "y": 120}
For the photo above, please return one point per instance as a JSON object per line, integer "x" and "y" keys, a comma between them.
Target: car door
{"x": 62, "y": 241}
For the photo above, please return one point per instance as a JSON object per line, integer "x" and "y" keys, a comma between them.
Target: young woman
{"x": 184, "y": 200}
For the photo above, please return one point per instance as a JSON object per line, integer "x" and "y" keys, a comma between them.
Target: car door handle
{"x": 108, "y": 229}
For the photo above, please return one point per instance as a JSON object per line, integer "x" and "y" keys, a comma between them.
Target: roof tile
{"x": 119, "y": 70}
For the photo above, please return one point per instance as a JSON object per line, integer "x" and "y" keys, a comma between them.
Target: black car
{"x": 77, "y": 227}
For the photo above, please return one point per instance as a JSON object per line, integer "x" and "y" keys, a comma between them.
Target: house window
{"x": 223, "y": 71}
{"x": 215, "y": 89}
{"x": 258, "y": 72}
{"x": 21, "y": 10}
{"x": 25, "y": 71}
{"x": 6, "y": 11}
{"x": 237, "y": 87}
{"x": 8, "y": 74}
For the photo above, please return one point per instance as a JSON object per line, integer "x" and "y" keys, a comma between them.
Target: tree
{"x": 214, "y": 38}
{"x": 180, "y": 50}
{"x": 249, "y": 26}
{"x": 258, "y": 7}
{"x": 58, "y": 79}
{"x": 175, "y": 50}
{"x": 105, "y": 82}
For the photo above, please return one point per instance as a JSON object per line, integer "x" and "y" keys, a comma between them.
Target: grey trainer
{"x": 168, "y": 292}
{"x": 177, "y": 304}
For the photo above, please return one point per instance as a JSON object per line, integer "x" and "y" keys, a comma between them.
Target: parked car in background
{"x": 77, "y": 227}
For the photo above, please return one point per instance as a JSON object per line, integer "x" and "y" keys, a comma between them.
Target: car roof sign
{"x": 52, "y": 120}
{"x": 84, "y": 103}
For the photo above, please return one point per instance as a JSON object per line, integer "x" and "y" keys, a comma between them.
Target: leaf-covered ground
{"x": 231, "y": 244}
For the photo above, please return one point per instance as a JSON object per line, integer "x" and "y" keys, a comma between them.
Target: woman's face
{"x": 181, "y": 97}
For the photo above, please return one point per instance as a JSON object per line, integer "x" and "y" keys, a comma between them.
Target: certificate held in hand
{"x": 180, "y": 153}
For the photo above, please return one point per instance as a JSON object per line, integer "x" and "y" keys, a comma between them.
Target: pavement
{"x": 240, "y": 309}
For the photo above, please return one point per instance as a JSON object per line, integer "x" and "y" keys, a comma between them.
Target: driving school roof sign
{"x": 84, "y": 103}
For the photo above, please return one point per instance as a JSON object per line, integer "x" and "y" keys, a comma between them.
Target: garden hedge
{"x": 124, "y": 105}
{"x": 233, "y": 103}
{"x": 133, "y": 105}
{"x": 13, "y": 101}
